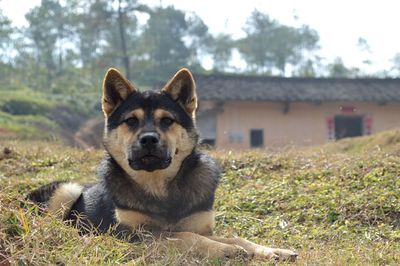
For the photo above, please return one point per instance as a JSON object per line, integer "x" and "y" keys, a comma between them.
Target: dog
{"x": 153, "y": 175}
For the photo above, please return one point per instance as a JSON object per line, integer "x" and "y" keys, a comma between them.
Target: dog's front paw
{"x": 233, "y": 251}
{"x": 276, "y": 253}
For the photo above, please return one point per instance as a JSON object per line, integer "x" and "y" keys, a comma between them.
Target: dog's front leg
{"x": 185, "y": 241}
{"x": 257, "y": 250}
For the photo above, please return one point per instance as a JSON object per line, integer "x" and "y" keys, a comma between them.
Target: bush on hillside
{"x": 24, "y": 102}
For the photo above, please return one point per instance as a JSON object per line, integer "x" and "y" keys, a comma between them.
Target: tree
{"x": 221, "y": 49}
{"x": 306, "y": 69}
{"x": 269, "y": 45}
{"x": 363, "y": 45}
{"x": 49, "y": 32}
{"x": 92, "y": 20}
{"x": 107, "y": 32}
{"x": 5, "y": 34}
{"x": 196, "y": 39}
{"x": 124, "y": 11}
{"x": 169, "y": 41}
{"x": 6, "y": 31}
{"x": 337, "y": 69}
{"x": 365, "y": 48}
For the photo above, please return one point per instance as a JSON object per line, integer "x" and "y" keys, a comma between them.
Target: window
{"x": 348, "y": 126}
{"x": 235, "y": 137}
{"x": 256, "y": 138}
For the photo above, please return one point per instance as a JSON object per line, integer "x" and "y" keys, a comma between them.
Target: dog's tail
{"x": 57, "y": 197}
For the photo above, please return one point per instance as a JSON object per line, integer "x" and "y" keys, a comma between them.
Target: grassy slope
{"x": 34, "y": 115}
{"x": 336, "y": 204}
{"x": 22, "y": 114}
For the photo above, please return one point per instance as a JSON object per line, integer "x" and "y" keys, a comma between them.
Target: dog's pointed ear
{"x": 116, "y": 89}
{"x": 182, "y": 89}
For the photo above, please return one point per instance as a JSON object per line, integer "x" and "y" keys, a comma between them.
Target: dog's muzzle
{"x": 150, "y": 154}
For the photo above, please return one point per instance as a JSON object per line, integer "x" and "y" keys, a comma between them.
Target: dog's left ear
{"x": 183, "y": 90}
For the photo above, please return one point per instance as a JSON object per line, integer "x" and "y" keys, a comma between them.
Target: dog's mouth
{"x": 148, "y": 159}
{"x": 150, "y": 162}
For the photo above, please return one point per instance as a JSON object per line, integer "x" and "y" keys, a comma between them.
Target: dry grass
{"x": 338, "y": 204}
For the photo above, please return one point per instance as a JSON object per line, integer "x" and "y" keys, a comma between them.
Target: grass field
{"x": 337, "y": 204}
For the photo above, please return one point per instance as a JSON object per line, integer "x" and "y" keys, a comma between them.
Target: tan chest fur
{"x": 201, "y": 223}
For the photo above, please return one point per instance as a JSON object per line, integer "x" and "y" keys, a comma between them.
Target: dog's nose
{"x": 149, "y": 139}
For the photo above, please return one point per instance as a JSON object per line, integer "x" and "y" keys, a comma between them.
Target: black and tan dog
{"x": 153, "y": 175}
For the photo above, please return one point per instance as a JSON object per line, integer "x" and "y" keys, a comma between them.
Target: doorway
{"x": 348, "y": 126}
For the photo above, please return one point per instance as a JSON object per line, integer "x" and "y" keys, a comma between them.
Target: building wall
{"x": 207, "y": 124}
{"x": 300, "y": 124}
{"x": 206, "y": 118}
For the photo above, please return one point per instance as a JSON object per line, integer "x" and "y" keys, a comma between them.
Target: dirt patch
{"x": 90, "y": 134}
{"x": 69, "y": 122}
{"x": 6, "y": 133}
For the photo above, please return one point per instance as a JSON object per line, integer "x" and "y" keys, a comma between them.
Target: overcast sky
{"x": 340, "y": 23}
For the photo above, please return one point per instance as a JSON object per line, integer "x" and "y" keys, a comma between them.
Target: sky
{"x": 340, "y": 23}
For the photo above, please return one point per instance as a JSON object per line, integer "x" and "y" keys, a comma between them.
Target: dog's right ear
{"x": 116, "y": 89}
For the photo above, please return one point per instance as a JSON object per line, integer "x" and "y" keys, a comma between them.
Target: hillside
{"x": 35, "y": 115}
{"x": 337, "y": 204}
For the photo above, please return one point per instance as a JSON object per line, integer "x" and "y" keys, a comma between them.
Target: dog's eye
{"x": 132, "y": 122}
{"x": 166, "y": 121}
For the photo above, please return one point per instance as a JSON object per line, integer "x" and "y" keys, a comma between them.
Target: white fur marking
{"x": 63, "y": 198}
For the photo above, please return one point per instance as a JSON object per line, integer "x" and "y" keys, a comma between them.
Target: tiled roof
{"x": 250, "y": 88}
